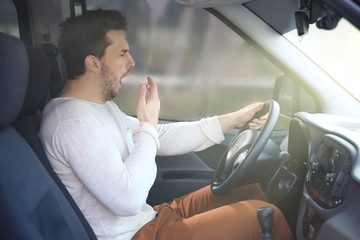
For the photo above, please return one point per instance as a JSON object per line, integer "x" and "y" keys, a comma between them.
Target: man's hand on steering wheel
{"x": 240, "y": 117}
{"x": 258, "y": 123}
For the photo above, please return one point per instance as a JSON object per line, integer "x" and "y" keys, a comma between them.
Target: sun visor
{"x": 211, "y": 3}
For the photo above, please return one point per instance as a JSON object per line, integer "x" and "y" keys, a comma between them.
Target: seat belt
{"x": 57, "y": 83}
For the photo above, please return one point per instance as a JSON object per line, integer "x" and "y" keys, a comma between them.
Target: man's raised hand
{"x": 148, "y": 107}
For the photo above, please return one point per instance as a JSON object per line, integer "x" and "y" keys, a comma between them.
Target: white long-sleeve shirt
{"x": 106, "y": 159}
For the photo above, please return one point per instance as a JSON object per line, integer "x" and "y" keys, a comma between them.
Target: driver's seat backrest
{"x": 28, "y": 122}
{"x": 32, "y": 206}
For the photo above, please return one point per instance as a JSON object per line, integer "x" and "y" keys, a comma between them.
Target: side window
{"x": 8, "y": 18}
{"x": 201, "y": 66}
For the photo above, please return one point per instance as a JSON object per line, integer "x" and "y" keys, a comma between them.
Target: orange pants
{"x": 204, "y": 216}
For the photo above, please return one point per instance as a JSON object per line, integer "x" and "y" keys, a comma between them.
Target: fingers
{"x": 258, "y": 123}
{"x": 142, "y": 91}
{"x": 256, "y": 107}
{"x": 254, "y": 126}
{"x": 141, "y": 103}
{"x": 142, "y": 94}
{"x": 264, "y": 117}
{"x": 260, "y": 119}
{"x": 151, "y": 82}
{"x": 152, "y": 87}
{"x": 148, "y": 107}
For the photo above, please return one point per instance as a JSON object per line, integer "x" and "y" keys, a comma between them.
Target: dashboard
{"x": 329, "y": 207}
{"x": 322, "y": 173}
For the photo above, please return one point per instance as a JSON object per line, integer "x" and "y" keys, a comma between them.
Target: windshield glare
{"x": 336, "y": 51}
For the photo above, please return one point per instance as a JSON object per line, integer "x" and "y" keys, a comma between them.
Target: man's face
{"x": 115, "y": 64}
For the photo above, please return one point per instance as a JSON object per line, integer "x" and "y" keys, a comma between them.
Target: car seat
{"x": 33, "y": 204}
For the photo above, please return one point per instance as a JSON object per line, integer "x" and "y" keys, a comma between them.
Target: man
{"x": 107, "y": 159}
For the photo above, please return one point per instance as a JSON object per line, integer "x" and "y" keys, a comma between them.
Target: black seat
{"x": 32, "y": 205}
{"x": 37, "y": 94}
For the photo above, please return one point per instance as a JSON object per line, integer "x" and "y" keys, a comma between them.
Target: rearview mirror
{"x": 292, "y": 98}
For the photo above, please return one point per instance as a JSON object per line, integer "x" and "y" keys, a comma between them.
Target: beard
{"x": 109, "y": 81}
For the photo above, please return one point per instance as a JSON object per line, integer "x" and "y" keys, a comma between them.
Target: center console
{"x": 329, "y": 172}
{"x": 326, "y": 181}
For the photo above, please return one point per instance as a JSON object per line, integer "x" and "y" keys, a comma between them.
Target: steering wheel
{"x": 244, "y": 149}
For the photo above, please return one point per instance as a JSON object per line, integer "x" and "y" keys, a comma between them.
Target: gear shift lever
{"x": 265, "y": 217}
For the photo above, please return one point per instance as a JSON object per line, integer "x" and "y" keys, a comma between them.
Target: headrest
{"x": 37, "y": 93}
{"x": 13, "y": 77}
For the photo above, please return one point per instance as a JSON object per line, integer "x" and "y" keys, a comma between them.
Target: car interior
{"x": 305, "y": 157}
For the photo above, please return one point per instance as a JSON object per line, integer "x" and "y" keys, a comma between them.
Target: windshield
{"x": 337, "y": 52}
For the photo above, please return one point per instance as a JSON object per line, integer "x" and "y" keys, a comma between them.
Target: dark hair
{"x": 86, "y": 35}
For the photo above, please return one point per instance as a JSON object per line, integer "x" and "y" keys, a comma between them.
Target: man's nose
{"x": 131, "y": 62}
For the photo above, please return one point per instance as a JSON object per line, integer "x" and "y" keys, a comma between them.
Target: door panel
{"x": 179, "y": 175}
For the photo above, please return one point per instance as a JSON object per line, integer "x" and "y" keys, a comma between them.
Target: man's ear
{"x": 93, "y": 64}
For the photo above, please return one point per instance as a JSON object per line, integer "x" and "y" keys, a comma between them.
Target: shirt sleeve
{"x": 122, "y": 185}
{"x": 185, "y": 137}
